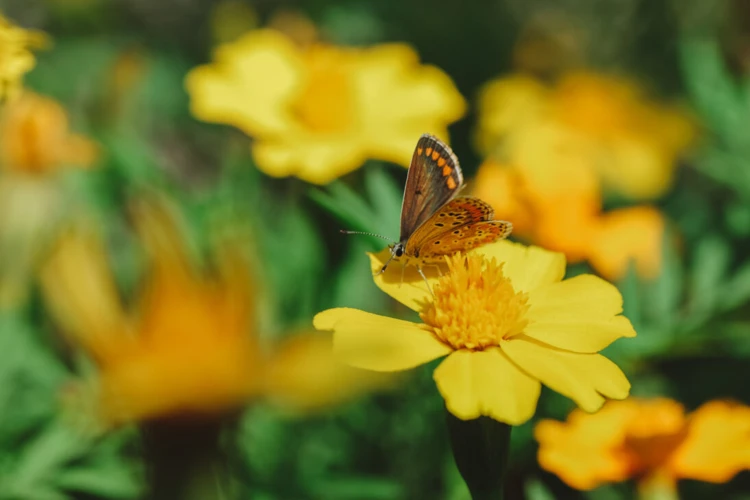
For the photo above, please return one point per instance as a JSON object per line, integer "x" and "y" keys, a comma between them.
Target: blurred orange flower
{"x": 35, "y": 144}
{"x": 652, "y": 441}
{"x": 35, "y": 137}
{"x": 561, "y": 210}
{"x": 506, "y": 322}
{"x": 187, "y": 347}
{"x": 603, "y": 123}
{"x": 319, "y": 112}
{"x": 553, "y": 151}
{"x": 16, "y": 58}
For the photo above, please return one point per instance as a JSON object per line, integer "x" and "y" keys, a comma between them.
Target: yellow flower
{"x": 320, "y": 112}
{"x": 507, "y": 322}
{"x": 188, "y": 346}
{"x": 16, "y": 58}
{"x": 35, "y": 137}
{"x": 650, "y": 440}
{"x": 601, "y": 122}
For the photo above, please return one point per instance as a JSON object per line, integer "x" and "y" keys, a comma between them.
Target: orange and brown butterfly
{"x": 434, "y": 222}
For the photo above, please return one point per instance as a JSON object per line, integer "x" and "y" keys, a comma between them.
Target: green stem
{"x": 480, "y": 448}
{"x": 658, "y": 486}
{"x": 184, "y": 459}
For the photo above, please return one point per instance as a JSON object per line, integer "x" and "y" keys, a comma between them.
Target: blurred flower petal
{"x": 303, "y": 374}
{"x": 717, "y": 445}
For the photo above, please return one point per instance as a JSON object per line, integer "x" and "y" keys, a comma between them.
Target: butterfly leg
{"x": 437, "y": 266}
{"x": 403, "y": 270}
{"x": 425, "y": 281}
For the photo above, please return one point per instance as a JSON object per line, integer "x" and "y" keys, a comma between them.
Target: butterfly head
{"x": 397, "y": 251}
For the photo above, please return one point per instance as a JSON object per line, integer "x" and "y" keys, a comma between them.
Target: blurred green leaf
{"x": 707, "y": 278}
{"x": 535, "y": 490}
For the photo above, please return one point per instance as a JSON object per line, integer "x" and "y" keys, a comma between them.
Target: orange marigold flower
{"x": 652, "y": 441}
{"x": 35, "y": 137}
{"x": 188, "y": 346}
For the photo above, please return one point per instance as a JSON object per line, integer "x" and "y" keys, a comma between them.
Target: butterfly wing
{"x": 433, "y": 179}
{"x": 462, "y": 224}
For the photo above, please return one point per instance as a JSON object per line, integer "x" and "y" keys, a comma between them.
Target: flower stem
{"x": 658, "y": 486}
{"x": 184, "y": 460}
{"x": 480, "y": 448}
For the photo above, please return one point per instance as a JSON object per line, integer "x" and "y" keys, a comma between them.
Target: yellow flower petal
{"x": 527, "y": 267}
{"x": 578, "y": 314}
{"x": 379, "y": 343}
{"x": 303, "y": 374}
{"x": 486, "y": 383}
{"x": 585, "y": 378}
{"x": 426, "y": 103}
{"x": 508, "y": 104}
{"x": 717, "y": 445}
{"x": 80, "y": 291}
{"x": 251, "y": 84}
{"x": 312, "y": 159}
{"x": 403, "y": 284}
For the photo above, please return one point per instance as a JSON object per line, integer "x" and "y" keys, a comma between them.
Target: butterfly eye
{"x": 399, "y": 251}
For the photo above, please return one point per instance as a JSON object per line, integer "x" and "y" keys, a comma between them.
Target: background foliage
{"x": 118, "y": 67}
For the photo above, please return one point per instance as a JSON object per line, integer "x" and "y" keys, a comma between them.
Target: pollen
{"x": 475, "y": 305}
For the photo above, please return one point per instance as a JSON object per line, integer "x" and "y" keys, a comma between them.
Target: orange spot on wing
{"x": 441, "y": 162}
{"x": 419, "y": 151}
{"x": 447, "y": 171}
{"x": 435, "y": 155}
{"x": 428, "y": 152}
{"x": 451, "y": 183}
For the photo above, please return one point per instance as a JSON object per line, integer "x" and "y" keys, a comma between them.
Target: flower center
{"x": 475, "y": 305}
{"x": 326, "y": 102}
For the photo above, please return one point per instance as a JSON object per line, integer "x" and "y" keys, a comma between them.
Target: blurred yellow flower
{"x": 320, "y": 112}
{"x": 507, "y": 322}
{"x": 188, "y": 346}
{"x": 650, "y": 440}
{"x": 35, "y": 137}
{"x": 600, "y": 123}
{"x": 16, "y": 58}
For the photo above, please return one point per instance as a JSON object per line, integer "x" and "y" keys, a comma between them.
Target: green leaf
{"x": 711, "y": 262}
{"x": 106, "y": 477}
{"x": 663, "y": 297}
{"x": 720, "y": 100}
{"x": 736, "y": 291}
{"x": 535, "y": 490}
{"x": 44, "y": 457}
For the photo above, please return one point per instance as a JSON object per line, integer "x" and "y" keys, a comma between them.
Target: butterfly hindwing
{"x": 461, "y": 224}
{"x": 434, "y": 178}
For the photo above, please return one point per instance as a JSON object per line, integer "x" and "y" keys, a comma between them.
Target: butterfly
{"x": 435, "y": 223}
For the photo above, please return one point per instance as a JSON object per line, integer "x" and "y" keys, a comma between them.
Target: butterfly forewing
{"x": 461, "y": 224}
{"x": 434, "y": 178}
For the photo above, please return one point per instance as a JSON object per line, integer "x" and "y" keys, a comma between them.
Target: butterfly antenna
{"x": 344, "y": 231}
{"x": 382, "y": 270}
